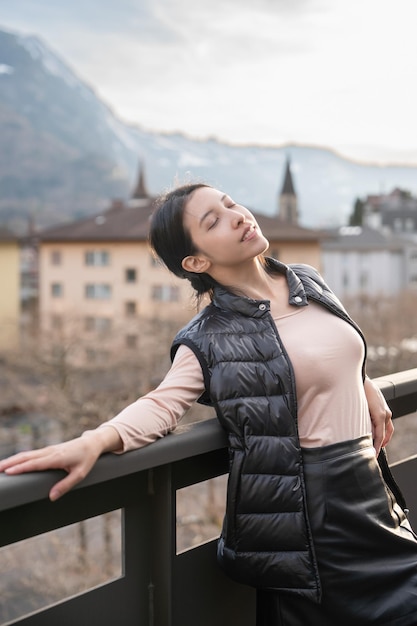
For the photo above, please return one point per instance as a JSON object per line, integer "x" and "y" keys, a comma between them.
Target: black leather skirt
{"x": 365, "y": 548}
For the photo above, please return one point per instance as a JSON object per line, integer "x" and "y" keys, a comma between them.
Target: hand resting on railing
{"x": 380, "y": 413}
{"x": 76, "y": 457}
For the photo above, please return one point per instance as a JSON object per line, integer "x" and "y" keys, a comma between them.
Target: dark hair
{"x": 172, "y": 242}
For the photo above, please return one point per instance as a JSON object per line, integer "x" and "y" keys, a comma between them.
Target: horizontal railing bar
{"x": 34, "y": 518}
{"x": 143, "y": 484}
{"x": 185, "y": 442}
{"x": 398, "y": 384}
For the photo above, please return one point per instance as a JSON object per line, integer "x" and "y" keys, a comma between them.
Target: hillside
{"x": 64, "y": 154}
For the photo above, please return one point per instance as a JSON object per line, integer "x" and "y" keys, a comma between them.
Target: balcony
{"x": 156, "y": 585}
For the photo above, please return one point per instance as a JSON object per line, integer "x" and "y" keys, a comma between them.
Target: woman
{"x": 310, "y": 522}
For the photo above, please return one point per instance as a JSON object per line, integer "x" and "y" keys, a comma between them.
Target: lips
{"x": 248, "y": 232}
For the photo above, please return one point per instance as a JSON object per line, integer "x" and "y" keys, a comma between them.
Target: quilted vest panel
{"x": 266, "y": 540}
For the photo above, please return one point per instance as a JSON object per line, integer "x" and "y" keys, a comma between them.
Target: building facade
{"x": 9, "y": 299}
{"x": 366, "y": 261}
{"x": 101, "y": 284}
{"x": 395, "y": 212}
{"x": 379, "y": 257}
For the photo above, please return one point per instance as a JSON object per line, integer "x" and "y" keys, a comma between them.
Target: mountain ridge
{"x": 64, "y": 154}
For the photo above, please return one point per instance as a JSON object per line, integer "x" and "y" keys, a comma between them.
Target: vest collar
{"x": 225, "y": 299}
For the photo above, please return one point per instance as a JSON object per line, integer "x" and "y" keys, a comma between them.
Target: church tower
{"x": 287, "y": 208}
{"x": 140, "y": 193}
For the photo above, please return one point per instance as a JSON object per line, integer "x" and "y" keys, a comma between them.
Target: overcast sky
{"x": 336, "y": 73}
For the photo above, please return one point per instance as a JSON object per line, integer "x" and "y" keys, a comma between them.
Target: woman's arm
{"x": 139, "y": 424}
{"x": 381, "y": 415}
{"x": 158, "y": 412}
{"x": 76, "y": 457}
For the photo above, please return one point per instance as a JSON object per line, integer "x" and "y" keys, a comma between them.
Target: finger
{"x": 389, "y": 431}
{"x": 58, "y": 490}
{"x": 16, "y": 459}
{"x": 378, "y": 436}
{"x": 66, "y": 484}
{"x": 34, "y": 461}
{"x": 25, "y": 466}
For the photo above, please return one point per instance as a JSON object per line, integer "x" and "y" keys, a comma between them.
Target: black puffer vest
{"x": 266, "y": 540}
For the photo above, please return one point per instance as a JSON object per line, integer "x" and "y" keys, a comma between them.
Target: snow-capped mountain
{"x": 64, "y": 153}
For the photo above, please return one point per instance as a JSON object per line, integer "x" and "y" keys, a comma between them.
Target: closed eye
{"x": 213, "y": 224}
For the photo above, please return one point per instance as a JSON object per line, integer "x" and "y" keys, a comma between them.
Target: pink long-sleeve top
{"x": 326, "y": 354}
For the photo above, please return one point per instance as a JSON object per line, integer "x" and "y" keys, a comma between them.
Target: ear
{"x": 196, "y": 264}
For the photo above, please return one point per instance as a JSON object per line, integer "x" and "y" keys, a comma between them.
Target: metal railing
{"x": 157, "y": 587}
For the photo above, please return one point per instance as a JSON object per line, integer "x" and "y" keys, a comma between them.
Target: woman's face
{"x": 225, "y": 234}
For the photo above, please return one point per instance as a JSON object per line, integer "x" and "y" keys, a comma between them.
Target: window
{"x": 130, "y": 275}
{"x": 98, "y": 291}
{"x": 99, "y": 324}
{"x": 57, "y": 290}
{"x": 89, "y": 323}
{"x": 165, "y": 293}
{"x": 56, "y": 257}
{"x": 96, "y": 356}
{"x": 363, "y": 279}
{"x": 103, "y": 324}
{"x": 97, "y": 257}
{"x": 130, "y": 308}
{"x": 398, "y": 224}
{"x": 131, "y": 341}
{"x": 56, "y": 322}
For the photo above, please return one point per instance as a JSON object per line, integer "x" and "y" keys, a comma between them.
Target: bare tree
{"x": 390, "y": 327}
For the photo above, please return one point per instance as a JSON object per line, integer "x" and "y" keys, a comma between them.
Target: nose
{"x": 238, "y": 218}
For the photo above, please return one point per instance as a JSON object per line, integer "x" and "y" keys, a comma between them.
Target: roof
{"x": 119, "y": 223}
{"x": 130, "y": 222}
{"x": 6, "y": 235}
{"x": 397, "y": 200}
{"x": 277, "y": 229}
{"x": 361, "y": 238}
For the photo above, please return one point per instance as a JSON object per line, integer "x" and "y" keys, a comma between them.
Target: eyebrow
{"x": 207, "y": 213}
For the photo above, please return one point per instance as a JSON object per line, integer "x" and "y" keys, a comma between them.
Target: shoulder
{"x": 200, "y": 322}
{"x": 303, "y": 270}
{"x": 310, "y": 276}
{"x": 315, "y": 285}
{"x": 200, "y": 325}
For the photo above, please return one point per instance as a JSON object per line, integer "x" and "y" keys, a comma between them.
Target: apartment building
{"x": 100, "y": 282}
{"x": 379, "y": 257}
{"x": 9, "y": 300}
{"x": 358, "y": 260}
{"x": 394, "y": 212}
{"x": 101, "y": 286}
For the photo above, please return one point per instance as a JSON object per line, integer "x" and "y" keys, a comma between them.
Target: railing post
{"x": 157, "y": 587}
{"x": 163, "y": 542}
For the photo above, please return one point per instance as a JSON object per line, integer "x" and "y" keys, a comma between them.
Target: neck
{"x": 250, "y": 280}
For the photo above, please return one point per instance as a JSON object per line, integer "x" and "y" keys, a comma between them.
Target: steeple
{"x": 288, "y": 186}
{"x": 287, "y": 206}
{"x": 140, "y": 192}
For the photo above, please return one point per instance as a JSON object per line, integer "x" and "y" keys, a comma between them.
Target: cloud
{"x": 319, "y": 71}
